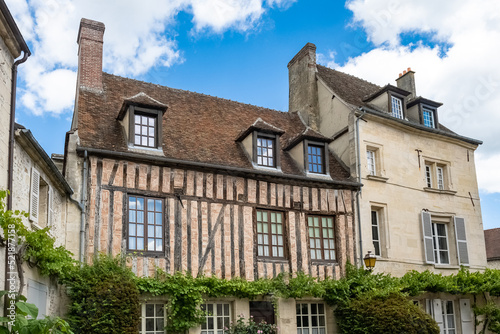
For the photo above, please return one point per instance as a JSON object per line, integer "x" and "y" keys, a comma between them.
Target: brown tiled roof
{"x": 350, "y": 88}
{"x": 308, "y": 133}
{"x": 492, "y": 243}
{"x": 196, "y": 128}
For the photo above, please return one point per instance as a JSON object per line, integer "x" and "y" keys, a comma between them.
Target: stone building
{"x": 189, "y": 182}
{"x": 419, "y": 205}
{"x": 492, "y": 243}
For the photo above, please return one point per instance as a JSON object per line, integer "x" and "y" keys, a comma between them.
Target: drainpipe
{"x": 358, "y": 171}
{"x": 26, "y": 54}
{"x": 82, "y": 207}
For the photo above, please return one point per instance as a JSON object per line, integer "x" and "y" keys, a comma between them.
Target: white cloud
{"x": 139, "y": 35}
{"x": 466, "y": 79}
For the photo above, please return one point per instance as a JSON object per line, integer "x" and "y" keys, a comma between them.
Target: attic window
{"x": 266, "y": 150}
{"x": 397, "y": 107}
{"x": 428, "y": 117}
{"x": 145, "y": 127}
{"x": 316, "y": 158}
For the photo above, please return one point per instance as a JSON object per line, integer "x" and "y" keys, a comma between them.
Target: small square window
{"x": 397, "y": 107}
{"x": 316, "y": 158}
{"x": 266, "y": 151}
{"x": 152, "y": 318}
{"x": 145, "y": 130}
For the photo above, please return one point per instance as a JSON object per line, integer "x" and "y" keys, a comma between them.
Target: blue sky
{"x": 239, "y": 50}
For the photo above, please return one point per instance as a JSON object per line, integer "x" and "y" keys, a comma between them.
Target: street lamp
{"x": 370, "y": 260}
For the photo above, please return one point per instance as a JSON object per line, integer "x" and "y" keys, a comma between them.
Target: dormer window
{"x": 316, "y": 158}
{"x": 145, "y": 130}
{"x": 266, "y": 150}
{"x": 141, "y": 118}
{"x": 428, "y": 116}
{"x": 397, "y": 107}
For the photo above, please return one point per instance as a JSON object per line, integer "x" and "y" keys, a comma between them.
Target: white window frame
{"x": 428, "y": 121}
{"x": 448, "y": 327}
{"x": 435, "y": 242}
{"x": 397, "y": 107}
{"x": 226, "y": 318}
{"x": 436, "y": 175}
{"x": 308, "y": 329}
{"x": 440, "y": 177}
{"x": 371, "y": 162}
{"x": 376, "y": 241}
{"x": 428, "y": 176}
{"x": 155, "y": 317}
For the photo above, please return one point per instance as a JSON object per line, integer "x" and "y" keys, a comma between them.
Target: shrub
{"x": 380, "y": 315}
{"x": 105, "y": 298}
{"x": 250, "y": 327}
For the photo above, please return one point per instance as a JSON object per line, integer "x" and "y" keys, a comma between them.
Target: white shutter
{"x": 37, "y": 294}
{"x": 438, "y": 314}
{"x": 35, "y": 195}
{"x": 466, "y": 316}
{"x": 427, "y": 234}
{"x": 50, "y": 210}
{"x": 461, "y": 236}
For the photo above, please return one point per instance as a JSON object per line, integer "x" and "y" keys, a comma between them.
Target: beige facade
{"x": 6, "y": 61}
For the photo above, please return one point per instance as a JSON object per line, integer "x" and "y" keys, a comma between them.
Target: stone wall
{"x": 6, "y": 61}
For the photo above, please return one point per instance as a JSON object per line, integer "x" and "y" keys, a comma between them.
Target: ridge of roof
{"x": 191, "y": 92}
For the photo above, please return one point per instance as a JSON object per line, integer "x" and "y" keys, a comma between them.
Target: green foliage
{"x": 105, "y": 298}
{"x": 492, "y": 317}
{"x": 380, "y": 315}
{"x": 250, "y": 327}
{"x": 23, "y": 320}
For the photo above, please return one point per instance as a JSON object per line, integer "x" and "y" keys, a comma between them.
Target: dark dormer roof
{"x": 492, "y": 243}
{"x": 384, "y": 89}
{"x": 261, "y": 126}
{"x": 308, "y": 134}
{"x": 420, "y": 99}
{"x": 197, "y": 129}
{"x": 141, "y": 100}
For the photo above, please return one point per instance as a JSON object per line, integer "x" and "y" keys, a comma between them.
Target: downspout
{"x": 26, "y": 54}
{"x": 358, "y": 171}
{"x": 82, "y": 207}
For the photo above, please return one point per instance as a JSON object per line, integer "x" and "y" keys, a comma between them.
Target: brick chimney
{"x": 406, "y": 81}
{"x": 303, "y": 90}
{"x": 90, "y": 40}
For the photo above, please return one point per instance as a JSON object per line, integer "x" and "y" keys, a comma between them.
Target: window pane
{"x": 140, "y": 243}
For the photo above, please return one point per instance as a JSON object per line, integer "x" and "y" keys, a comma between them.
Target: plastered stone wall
{"x": 6, "y": 61}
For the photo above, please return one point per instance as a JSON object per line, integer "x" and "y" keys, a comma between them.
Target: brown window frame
{"x": 270, "y": 235}
{"x": 145, "y": 233}
{"x": 324, "y": 155}
{"x": 322, "y": 238}
{"x": 276, "y": 148}
{"x": 152, "y": 113}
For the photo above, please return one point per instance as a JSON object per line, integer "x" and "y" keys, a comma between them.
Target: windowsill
{"x": 146, "y": 150}
{"x": 318, "y": 176}
{"x": 323, "y": 261}
{"x": 377, "y": 178}
{"x": 145, "y": 253}
{"x": 439, "y": 191}
{"x": 271, "y": 260}
{"x": 269, "y": 169}
{"x": 446, "y": 266}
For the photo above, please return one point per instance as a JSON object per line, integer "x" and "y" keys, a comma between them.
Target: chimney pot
{"x": 400, "y": 75}
{"x": 404, "y": 72}
{"x": 409, "y": 69}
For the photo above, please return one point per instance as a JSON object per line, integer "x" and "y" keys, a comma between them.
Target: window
{"x": 152, "y": 318}
{"x": 429, "y": 117}
{"x": 428, "y": 175}
{"x": 440, "y": 243}
{"x": 438, "y": 237}
{"x": 41, "y": 200}
{"x": 440, "y": 178}
{"x": 37, "y": 294}
{"x": 311, "y": 318}
{"x": 218, "y": 317}
{"x": 144, "y": 130}
{"x": 145, "y": 224}
{"x": 443, "y": 312}
{"x": 375, "y": 232}
{"x": 397, "y": 107}
{"x": 321, "y": 238}
{"x": 270, "y": 241}
{"x": 370, "y": 156}
{"x": 315, "y": 158}
{"x": 266, "y": 153}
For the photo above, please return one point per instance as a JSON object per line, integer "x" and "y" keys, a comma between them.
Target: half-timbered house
{"x": 187, "y": 182}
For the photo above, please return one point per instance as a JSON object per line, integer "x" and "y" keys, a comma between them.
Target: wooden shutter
{"x": 35, "y": 194}
{"x": 466, "y": 316}
{"x": 50, "y": 209}
{"x": 461, "y": 236}
{"x": 427, "y": 234}
{"x": 438, "y": 313}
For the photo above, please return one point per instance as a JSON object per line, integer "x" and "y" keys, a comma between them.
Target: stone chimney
{"x": 406, "y": 81}
{"x": 303, "y": 90}
{"x": 90, "y": 40}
